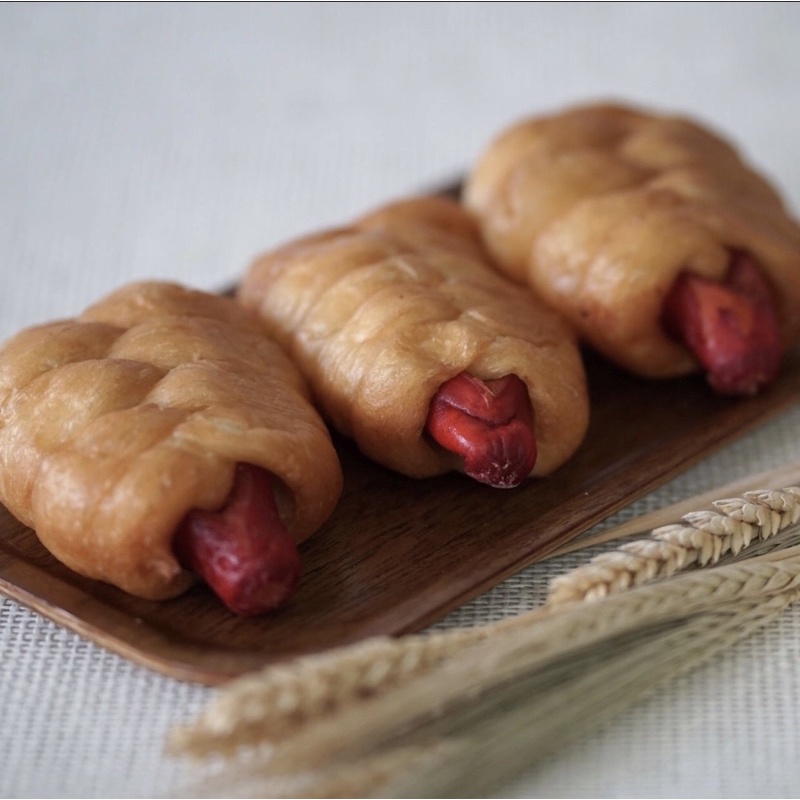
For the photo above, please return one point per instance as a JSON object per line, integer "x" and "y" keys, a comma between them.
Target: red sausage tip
{"x": 243, "y": 551}
{"x": 489, "y": 424}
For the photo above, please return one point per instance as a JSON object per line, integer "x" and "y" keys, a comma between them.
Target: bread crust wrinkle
{"x": 380, "y": 313}
{"x": 116, "y": 423}
{"x": 600, "y": 207}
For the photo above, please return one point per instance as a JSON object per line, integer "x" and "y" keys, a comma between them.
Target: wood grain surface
{"x": 399, "y": 554}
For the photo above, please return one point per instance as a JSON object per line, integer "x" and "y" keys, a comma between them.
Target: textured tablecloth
{"x": 178, "y": 140}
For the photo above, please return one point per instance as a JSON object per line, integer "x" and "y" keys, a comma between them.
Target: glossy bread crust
{"x": 118, "y": 422}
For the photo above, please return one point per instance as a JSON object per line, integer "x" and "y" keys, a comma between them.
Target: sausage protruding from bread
{"x": 489, "y": 424}
{"x": 730, "y": 326}
{"x": 243, "y": 550}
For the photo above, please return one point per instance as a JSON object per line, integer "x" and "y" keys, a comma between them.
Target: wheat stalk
{"x": 543, "y": 710}
{"x": 586, "y": 660}
{"x": 703, "y": 538}
{"x": 268, "y": 705}
{"x": 400, "y": 715}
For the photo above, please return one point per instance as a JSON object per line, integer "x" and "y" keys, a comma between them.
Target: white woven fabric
{"x": 178, "y": 140}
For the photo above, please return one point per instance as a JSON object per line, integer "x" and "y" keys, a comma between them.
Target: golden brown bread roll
{"x": 380, "y": 314}
{"x": 600, "y": 208}
{"x": 116, "y": 424}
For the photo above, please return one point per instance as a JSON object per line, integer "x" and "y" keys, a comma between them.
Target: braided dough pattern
{"x": 115, "y": 424}
{"x": 600, "y": 207}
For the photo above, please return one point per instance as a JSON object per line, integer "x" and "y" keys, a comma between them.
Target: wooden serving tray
{"x": 399, "y": 554}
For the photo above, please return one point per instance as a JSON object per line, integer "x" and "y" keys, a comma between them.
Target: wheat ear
{"x": 784, "y": 475}
{"x": 270, "y": 704}
{"x": 703, "y": 538}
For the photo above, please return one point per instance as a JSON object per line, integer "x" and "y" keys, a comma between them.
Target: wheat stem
{"x": 540, "y": 715}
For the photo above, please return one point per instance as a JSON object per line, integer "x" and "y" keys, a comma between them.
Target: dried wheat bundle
{"x": 267, "y": 705}
{"x": 703, "y": 538}
{"x": 435, "y": 730}
{"x": 404, "y": 715}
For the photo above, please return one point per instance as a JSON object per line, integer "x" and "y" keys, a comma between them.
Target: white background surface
{"x": 178, "y": 140}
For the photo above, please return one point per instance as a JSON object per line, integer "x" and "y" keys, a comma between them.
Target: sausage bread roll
{"x": 651, "y": 235}
{"x": 419, "y": 351}
{"x": 160, "y": 434}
